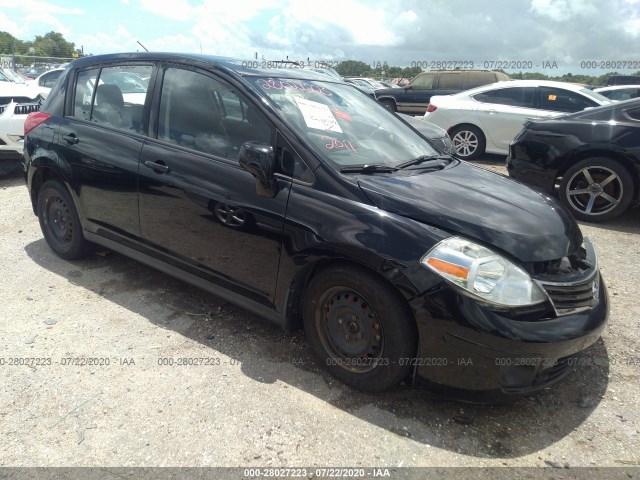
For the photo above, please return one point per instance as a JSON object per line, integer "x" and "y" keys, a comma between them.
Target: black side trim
{"x": 228, "y": 295}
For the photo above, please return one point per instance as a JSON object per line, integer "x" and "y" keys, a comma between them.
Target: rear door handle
{"x": 157, "y": 166}
{"x": 71, "y": 138}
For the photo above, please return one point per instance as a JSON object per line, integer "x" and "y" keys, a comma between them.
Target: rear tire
{"x": 361, "y": 328}
{"x": 596, "y": 189}
{"x": 468, "y": 142}
{"x": 59, "y": 222}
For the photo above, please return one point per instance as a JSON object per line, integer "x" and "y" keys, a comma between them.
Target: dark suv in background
{"x": 307, "y": 202}
{"x": 414, "y": 98}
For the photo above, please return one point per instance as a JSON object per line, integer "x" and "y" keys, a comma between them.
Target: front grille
{"x": 26, "y": 108}
{"x": 574, "y": 297}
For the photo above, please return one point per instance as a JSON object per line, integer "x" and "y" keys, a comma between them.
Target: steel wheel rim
{"x": 58, "y": 220}
{"x": 594, "y": 190}
{"x": 230, "y": 216}
{"x": 465, "y": 142}
{"x": 350, "y": 330}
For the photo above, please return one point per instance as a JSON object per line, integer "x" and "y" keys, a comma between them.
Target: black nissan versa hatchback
{"x": 305, "y": 201}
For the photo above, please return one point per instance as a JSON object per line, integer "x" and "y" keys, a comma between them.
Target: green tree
{"x": 353, "y": 68}
{"x": 10, "y": 44}
{"x": 410, "y": 72}
{"x": 53, "y": 44}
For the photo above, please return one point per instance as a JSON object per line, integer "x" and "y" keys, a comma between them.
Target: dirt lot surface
{"x": 103, "y": 339}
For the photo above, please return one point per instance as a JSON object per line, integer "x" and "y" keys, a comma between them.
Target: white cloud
{"x": 563, "y": 10}
{"x": 179, "y": 10}
{"x": 35, "y": 6}
{"x": 46, "y": 22}
{"x": 632, "y": 27}
{"x": 7, "y": 25}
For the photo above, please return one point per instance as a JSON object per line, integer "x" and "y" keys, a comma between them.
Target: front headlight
{"x": 483, "y": 273}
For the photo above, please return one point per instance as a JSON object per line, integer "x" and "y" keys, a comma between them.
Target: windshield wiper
{"x": 427, "y": 161}
{"x": 373, "y": 168}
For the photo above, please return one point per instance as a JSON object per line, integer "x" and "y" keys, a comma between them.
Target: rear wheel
{"x": 60, "y": 223}
{"x": 360, "y": 327}
{"x": 596, "y": 189}
{"x": 468, "y": 142}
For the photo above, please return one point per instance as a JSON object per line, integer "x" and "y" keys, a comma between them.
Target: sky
{"x": 548, "y": 36}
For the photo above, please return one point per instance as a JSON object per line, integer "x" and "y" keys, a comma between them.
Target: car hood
{"x": 429, "y": 130}
{"x": 482, "y": 205}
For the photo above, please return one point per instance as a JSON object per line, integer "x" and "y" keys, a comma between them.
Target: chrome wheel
{"x": 594, "y": 190}
{"x": 468, "y": 141}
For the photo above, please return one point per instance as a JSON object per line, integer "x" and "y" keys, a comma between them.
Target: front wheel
{"x": 468, "y": 141}
{"x": 60, "y": 223}
{"x": 360, "y": 328}
{"x": 596, "y": 189}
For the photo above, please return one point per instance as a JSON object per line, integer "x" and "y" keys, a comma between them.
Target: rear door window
{"x": 450, "y": 81}
{"x": 523, "y": 97}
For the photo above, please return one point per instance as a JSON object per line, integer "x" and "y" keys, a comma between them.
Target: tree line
{"x": 52, "y": 44}
{"x": 355, "y": 68}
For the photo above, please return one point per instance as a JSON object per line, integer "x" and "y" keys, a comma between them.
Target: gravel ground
{"x": 259, "y": 398}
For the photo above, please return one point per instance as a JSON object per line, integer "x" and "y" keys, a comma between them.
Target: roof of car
{"x": 520, "y": 83}
{"x": 615, "y": 87}
{"x": 229, "y": 64}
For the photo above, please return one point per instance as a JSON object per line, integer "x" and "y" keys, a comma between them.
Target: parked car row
{"x": 591, "y": 157}
{"x": 487, "y": 118}
{"x": 307, "y": 202}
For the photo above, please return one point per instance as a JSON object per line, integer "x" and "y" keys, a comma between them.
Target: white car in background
{"x": 43, "y": 83}
{"x": 487, "y": 118}
{"x": 16, "y": 102}
{"x": 619, "y": 92}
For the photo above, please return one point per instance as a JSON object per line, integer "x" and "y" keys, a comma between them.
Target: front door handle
{"x": 71, "y": 138}
{"x": 157, "y": 166}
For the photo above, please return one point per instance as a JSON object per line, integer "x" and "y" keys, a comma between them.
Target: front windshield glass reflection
{"x": 342, "y": 124}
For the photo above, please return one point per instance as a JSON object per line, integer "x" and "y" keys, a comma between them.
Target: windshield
{"x": 344, "y": 125}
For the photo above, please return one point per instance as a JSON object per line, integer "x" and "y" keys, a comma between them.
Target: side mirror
{"x": 259, "y": 160}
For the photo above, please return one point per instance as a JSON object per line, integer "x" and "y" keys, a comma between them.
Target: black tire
{"x": 468, "y": 142}
{"x": 596, "y": 189}
{"x": 60, "y": 223}
{"x": 390, "y": 104}
{"x": 360, "y": 327}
